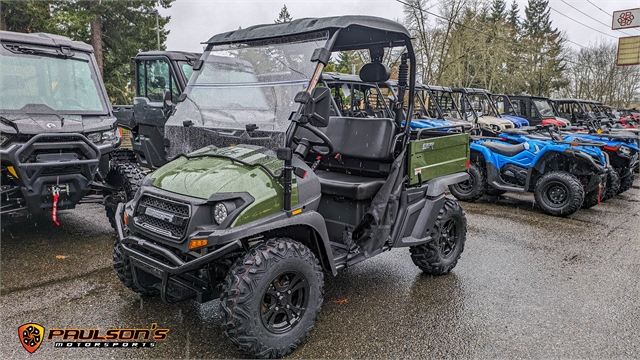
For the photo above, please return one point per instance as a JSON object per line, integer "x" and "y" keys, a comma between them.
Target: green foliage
{"x": 513, "y": 17}
{"x": 284, "y": 15}
{"x": 126, "y": 28}
{"x": 25, "y": 16}
{"x": 497, "y": 10}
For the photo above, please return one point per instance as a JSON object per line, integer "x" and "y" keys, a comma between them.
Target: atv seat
{"x": 506, "y": 150}
{"x": 365, "y": 147}
{"x": 349, "y": 186}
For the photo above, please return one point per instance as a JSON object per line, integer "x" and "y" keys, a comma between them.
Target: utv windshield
{"x": 482, "y": 105}
{"x": 39, "y": 80}
{"x": 247, "y": 84}
{"x": 544, "y": 107}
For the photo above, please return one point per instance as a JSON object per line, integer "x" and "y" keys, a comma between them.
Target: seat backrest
{"x": 362, "y": 138}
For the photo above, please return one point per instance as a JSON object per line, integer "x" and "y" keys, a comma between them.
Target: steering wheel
{"x": 325, "y": 141}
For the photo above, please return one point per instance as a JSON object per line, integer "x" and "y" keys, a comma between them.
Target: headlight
{"x": 219, "y": 213}
{"x": 495, "y": 127}
{"x": 109, "y": 136}
{"x": 624, "y": 150}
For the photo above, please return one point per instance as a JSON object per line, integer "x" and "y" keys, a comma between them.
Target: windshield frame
{"x": 96, "y": 80}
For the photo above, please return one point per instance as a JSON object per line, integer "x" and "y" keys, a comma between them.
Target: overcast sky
{"x": 195, "y": 21}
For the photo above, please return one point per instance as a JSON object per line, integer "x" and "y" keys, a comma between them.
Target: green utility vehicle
{"x": 161, "y": 76}
{"x": 280, "y": 193}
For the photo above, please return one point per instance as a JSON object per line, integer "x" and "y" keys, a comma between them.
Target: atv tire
{"x": 559, "y": 193}
{"x": 123, "y": 156}
{"x": 272, "y": 298}
{"x": 613, "y": 185}
{"x": 123, "y": 269}
{"x": 626, "y": 182}
{"x": 473, "y": 188}
{"x": 127, "y": 178}
{"x": 592, "y": 199}
{"x": 440, "y": 255}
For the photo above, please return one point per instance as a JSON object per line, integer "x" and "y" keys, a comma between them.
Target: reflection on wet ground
{"x": 527, "y": 285}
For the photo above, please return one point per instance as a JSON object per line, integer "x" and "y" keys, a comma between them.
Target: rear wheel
{"x": 449, "y": 233}
{"x": 272, "y": 298}
{"x": 613, "y": 185}
{"x": 473, "y": 188}
{"x": 559, "y": 193}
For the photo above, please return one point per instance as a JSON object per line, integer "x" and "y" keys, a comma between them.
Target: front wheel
{"x": 613, "y": 185}
{"x": 473, "y": 188}
{"x": 559, "y": 193}
{"x": 126, "y": 177}
{"x": 124, "y": 271}
{"x": 272, "y": 298}
{"x": 449, "y": 233}
{"x": 626, "y": 181}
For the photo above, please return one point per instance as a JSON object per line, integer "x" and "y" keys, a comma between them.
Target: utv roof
{"x": 43, "y": 39}
{"x": 438, "y": 88}
{"x": 361, "y": 30}
{"x": 173, "y": 55}
{"x": 472, "y": 90}
{"x": 529, "y": 97}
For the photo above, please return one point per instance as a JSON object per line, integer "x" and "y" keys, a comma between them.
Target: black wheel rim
{"x": 466, "y": 187}
{"x": 285, "y": 301}
{"x": 557, "y": 194}
{"x": 448, "y": 238}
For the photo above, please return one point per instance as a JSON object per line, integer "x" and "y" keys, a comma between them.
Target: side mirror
{"x": 317, "y": 106}
{"x": 167, "y": 104}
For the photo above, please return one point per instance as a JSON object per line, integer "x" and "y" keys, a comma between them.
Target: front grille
{"x": 166, "y": 205}
{"x": 163, "y": 216}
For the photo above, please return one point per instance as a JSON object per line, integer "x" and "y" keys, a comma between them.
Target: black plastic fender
{"x": 419, "y": 208}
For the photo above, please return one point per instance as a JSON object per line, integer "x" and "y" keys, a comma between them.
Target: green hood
{"x": 207, "y": 172}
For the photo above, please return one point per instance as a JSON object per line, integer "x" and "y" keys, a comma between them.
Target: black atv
{"x": 58, "y": 137}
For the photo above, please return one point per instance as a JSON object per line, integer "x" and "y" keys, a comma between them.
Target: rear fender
{"x": 419, "y": 208}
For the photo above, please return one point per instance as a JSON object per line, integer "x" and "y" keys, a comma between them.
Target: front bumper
{"x": 69, "y": 160}
{"x": 175, "y": 284}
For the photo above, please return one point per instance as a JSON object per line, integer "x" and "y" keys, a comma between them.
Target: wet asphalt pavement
{"x": 528, "y": 285}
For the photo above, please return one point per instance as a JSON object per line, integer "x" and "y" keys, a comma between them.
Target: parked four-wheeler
{"x": 507, "y": 110}
{"x": 559, "y": 173}
{"x": 586, "y": 144}
{"x": 58, "y": 135}
{"x": 161, "y": 76}
{"x": 622, "y": 148}
{"x": 281, "y": 192}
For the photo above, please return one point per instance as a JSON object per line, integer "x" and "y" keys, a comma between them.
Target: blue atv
{"x": 609, "y": 188}
{"x": 622, "y": 148}
{"x": 558, "y": 173}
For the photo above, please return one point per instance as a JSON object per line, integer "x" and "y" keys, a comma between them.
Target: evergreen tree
{"x": 25, "y": 16}
{"x": 544, "y": 47}
{"x": 284, "y": 15}
{"x": 513, "y": 17}
{"x": 497, "y": 10}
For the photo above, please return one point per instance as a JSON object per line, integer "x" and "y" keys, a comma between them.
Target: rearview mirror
{"x": 318, "y": 107}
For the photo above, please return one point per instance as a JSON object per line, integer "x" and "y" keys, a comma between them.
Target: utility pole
{"x": 156, "y": 13}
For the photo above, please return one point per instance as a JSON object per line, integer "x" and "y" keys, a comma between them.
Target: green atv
{"x": 280, "y": 192}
